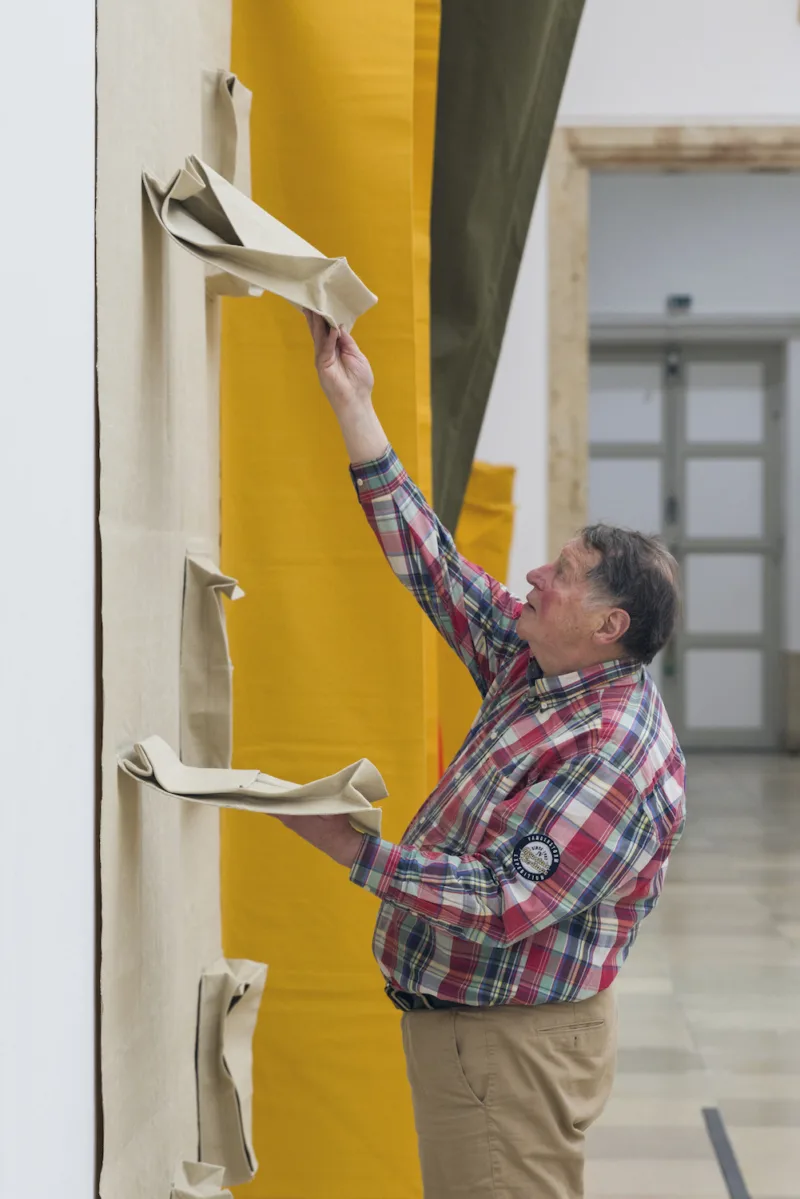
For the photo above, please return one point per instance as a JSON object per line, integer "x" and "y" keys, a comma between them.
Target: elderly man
{"x": 517, "y": 891}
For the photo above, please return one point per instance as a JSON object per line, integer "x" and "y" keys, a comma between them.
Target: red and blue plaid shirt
{"x": 525, "y": 875}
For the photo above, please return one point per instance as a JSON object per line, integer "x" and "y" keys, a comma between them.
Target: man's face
{"x": 565, "y": 625}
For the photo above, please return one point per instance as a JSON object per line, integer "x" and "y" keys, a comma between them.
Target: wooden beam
{"x": 687, "y": 147}
{"x": 568, "y": 462}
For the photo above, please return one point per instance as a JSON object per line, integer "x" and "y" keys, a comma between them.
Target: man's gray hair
{"x": 639, "y": 575}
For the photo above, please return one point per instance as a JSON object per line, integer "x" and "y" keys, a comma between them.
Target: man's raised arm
{"x": 474, "y": 613}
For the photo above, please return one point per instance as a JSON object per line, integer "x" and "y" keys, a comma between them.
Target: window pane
{"x": 724, "y": 497}
{"x": 626, "y": 491}
{"x": 725, "y": 402}
{"x": 625, "y": 402}
{"x": 724, "y": 593}
{"x": 723, "y": 689}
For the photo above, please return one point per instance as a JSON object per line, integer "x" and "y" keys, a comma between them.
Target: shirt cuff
{"x": 375, "y": 865}
{"x": 379, "y": 476}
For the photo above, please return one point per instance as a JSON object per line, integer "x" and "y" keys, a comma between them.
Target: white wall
{"x": 636, "y": 62}
{"x": 514, "y": 430}
{"x": 731, "y": 241}
{"x": 641, "y": 61}
{"x": 47, "y": 839}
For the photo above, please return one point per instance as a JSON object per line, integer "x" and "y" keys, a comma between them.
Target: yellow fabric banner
{"x": 332, "y": 659}
{"x": 484, "y": 535}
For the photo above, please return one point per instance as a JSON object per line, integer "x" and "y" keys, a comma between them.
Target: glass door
{"x": 685, "y": 442}
{"x": 726, "y": 530}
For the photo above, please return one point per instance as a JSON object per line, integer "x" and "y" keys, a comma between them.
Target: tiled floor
{"x": 710, "y": 1000}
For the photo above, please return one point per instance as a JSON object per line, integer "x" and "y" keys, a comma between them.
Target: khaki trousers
{"x": 503, "y": 1095}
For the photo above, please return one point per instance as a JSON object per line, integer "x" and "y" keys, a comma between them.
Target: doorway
{"x": 685, "y": 441}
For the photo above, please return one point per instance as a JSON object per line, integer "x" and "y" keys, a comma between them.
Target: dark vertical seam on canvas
{"x": 98, "y": 689}
{"x": 197, "y": 1069}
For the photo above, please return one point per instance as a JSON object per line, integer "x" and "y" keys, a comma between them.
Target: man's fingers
{"x": 325, "y": 337}
{"x": 320, "y": 334}
{"x": 317, "y": 328}
{"x": 349, "y": 344}
{"x": 310, "y": 322}
{"x": 331, "y": 335}
{"x": 326, "y": 346}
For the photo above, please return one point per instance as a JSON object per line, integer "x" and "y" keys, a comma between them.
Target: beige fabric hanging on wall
{"x": 157, "y": 389}
{"x": 350, "y": 791}
{"x": 206, "y": 215}
{"x": 226, "y": 148}
{"x": 226, "y": 127}
{"x": 206, "y": 670}
{"x": 198, "y": 1180}
{"x": 230, "y": 996}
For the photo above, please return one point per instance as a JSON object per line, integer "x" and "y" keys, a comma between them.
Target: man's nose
{"x": 536, "y": 577}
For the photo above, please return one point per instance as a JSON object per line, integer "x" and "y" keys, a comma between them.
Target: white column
{"x": 47, "y": 465}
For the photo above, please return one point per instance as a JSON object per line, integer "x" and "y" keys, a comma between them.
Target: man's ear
{"x": 614, "y": 627}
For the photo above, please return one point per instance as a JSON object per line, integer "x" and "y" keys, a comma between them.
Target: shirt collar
{"x": 554, "y": 689}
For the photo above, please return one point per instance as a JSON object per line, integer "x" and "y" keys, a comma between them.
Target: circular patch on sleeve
{"x": 536, "y": 857}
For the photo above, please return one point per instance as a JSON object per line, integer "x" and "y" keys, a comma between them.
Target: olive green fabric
{"x": 501, "y": 73}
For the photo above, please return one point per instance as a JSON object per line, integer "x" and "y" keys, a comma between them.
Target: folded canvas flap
{"x": 152, "y": 761}
{"x": 206, "y": 669}
{"x": 226, "y": 127}
{"x": 230, "y": 996}
{"x": 226, "y": 148}
{"x": 360, "y": 781}
{"x": 210, "y": 218}
{"x": 350, "y": 791}
{"x": 199, "y": 1180}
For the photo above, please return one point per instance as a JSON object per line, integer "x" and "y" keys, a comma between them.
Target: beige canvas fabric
{"x": 198, "y": 1180}
{"x": 210, "y": 218}
{"x": 226, "y": 148}
{"x": 206, "y": 670}
{"x": 226, "y": 127}
{"x": 503, "y": 1096}
{"x": 230, "y": 996}
{"x": 351, "y": 791}
{"x": 157, "y": 392}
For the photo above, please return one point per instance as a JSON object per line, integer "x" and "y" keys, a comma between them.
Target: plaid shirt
{"x": 524, "y": 877}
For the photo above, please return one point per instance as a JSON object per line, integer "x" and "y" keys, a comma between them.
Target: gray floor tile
{"x": 761, "y": 1113}
{"x": 710, "y": 999}
{"x": 658, "y": 1061}
{"x": 648, "y": 1144}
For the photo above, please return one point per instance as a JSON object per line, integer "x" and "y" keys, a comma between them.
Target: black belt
{"x": 407, "y": 1002}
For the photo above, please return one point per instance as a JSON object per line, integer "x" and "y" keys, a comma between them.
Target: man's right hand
{"x": 344, "y": 372}
{"x": 347, "y": 380}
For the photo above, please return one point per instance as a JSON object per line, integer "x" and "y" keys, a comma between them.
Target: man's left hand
{"x": 334, "y": 835}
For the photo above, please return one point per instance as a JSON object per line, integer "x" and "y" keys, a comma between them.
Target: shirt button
{"x": 360, "y": 482}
